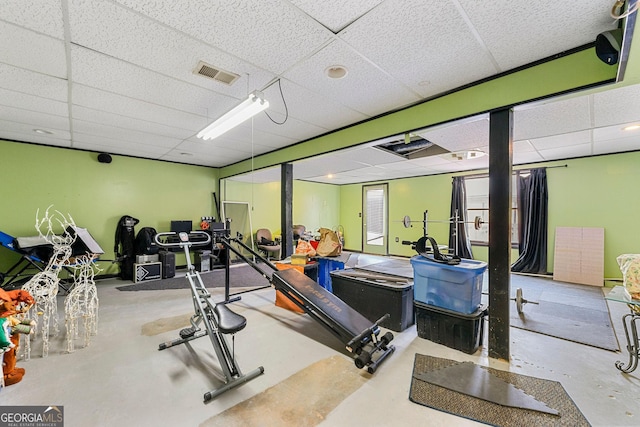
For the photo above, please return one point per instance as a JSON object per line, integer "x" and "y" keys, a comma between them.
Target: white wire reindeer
{"x": 82, "y": 301}
{"x": 43, "y": 286}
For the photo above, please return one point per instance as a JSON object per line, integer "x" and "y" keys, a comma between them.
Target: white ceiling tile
{"x": 566, "y": 152}
{"x": 21, "y": 132}
{"x": 536, "y": 29}
{"x": 24, "y": 101}
{"x": 335, "y": 14}
{"x": 562, "y": 140}
{"x": 631, "y": 143}
{"x": 109, "y": 74}
{"x": 128, "y": 136}
{"x": 523, "y": 146}
{"x": 372, "y": 156}
{"x": 43, "y": 16}
{"x": 551, "y": 118}
{"x": 124, "y": 122}
{"x": 116, "y": 146}
{"x": 402, "y": 37}
{"x": 467, "y": 135}
{"x": 127, "y": 35}
{"x": 355, "y": 89}
{"x": 45, "y": 55}
{"x": 274, "y": 37}
{"x": 121, "y": 104}
{"x": 309, "y": 107}
{"x": 35, "y": 119}
{"x": 526, "y": 157}
{"x": 617, "y": 106}
{"x": 33, "y": 83}
{"x": 615, "y": 132}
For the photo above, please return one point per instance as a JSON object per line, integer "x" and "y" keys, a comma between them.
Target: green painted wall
{"x": 315, "y": 205}
{"x": 598, "y": 191}
{"x": 95, "y": 194}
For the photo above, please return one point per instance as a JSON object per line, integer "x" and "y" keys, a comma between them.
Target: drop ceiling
{"x": 117, "y": 76}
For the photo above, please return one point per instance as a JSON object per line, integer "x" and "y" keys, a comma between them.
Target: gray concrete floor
{"x": 122, "y": 379}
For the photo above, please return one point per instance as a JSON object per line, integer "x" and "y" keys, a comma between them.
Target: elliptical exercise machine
{"x": 218, "y": 319}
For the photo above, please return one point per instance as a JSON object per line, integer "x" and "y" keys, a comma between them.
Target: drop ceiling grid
{"x": 373, "y": 156}
{"x": 426, "y": 45}
{"x": 124, "y": 122}
{"x": 465, "y": 136}
{"x": 323, "y": 111}
{"x": 32, "y": 83}
{"x": 25, "y": 101}
{"x": 100, "y": 144}
{"x": 335, "y": 14}
{"x": 265, "y": 132}
{"x": 532, "y": 30}
{"x": 201, "y": 147}
{"x": 526, "y": 157}
{"x": 102, "y": 72}
{"x": 44, "y": 16}
{"x": 617, "y": 106}
{"x": 279, "y": 36}
{"x": 17, "y": 132}
{"x": 114, "y": 103}
{"x": 144, "y": 42}
{"x": 365, "y": 88}
{"x": 564, "y": 140}
{"x": 566, "y": 152}
{"x": 45, "y": 54}
{"x": 35, "y": 119}
{"x": 127, "y": 136}
{"x": 327, "y": 164}
{"x": 631, "y": 143}
{"x": 552, "y": 119}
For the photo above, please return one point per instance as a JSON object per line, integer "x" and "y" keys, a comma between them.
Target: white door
{"x": 374, "y": 219}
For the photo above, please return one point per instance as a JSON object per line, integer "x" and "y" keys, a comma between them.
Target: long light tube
{"x": 251, "y": 106}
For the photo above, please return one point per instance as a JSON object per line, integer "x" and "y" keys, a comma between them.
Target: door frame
{"x": 373, "y": 249}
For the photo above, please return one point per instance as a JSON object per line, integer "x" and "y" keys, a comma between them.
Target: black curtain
{"x": 532, "y": 219}
{"x": 459, "y": 240}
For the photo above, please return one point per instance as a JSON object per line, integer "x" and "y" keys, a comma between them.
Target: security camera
{"x": 608, "y": 46}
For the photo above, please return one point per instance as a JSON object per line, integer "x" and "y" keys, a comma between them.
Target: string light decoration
{"x": 43, "y": 286}
{"x": 82, "y": 302}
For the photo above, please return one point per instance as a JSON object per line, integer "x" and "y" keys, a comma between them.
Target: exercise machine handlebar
{"x": 370, "y": 330}
{"x": 184, "y": 239}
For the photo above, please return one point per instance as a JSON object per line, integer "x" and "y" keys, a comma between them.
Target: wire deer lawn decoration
{"x": 82, "y": 302}
{"x": 43, "y": 286}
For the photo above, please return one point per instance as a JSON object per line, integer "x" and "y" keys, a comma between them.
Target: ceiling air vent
{"x": 412, "y": 147}
{"x": 215, "y": 73}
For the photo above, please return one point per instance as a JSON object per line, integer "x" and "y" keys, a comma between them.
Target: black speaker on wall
{"x": 104, "y": 158}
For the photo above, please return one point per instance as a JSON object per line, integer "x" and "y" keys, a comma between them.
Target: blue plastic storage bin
{"x": 453, "y": 287}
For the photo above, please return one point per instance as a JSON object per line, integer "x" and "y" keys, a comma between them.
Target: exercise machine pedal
{"x": 187, "y": 332}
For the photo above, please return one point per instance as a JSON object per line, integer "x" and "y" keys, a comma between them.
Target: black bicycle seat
{"x": 228, "y": 321}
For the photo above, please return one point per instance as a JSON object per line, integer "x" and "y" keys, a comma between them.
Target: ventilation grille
{"x": 214, "y": 73}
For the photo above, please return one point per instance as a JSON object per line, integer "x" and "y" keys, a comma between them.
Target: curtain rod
{"x": 479, "y": 175}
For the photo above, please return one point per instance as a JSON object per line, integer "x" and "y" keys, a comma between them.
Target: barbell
{"x": 477, "y": 222}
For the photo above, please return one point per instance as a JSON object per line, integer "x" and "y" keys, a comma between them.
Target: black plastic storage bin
{"x": 456, "y": 330}
{"x": 375, "y": 298}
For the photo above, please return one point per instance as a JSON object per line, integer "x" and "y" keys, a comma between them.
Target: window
{"x": 477, "y": 190}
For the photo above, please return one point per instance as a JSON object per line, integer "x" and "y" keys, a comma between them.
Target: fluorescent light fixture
{"x": 632, "y": 127}
{"x": 251, "y": 106}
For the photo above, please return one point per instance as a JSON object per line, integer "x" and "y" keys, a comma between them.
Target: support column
{"x": 500, "y": 170}
{"x": 286, "y": 208}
